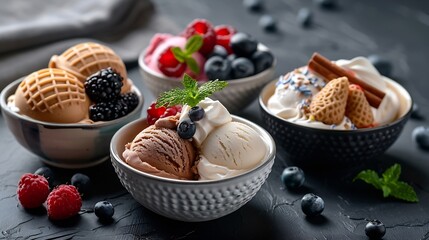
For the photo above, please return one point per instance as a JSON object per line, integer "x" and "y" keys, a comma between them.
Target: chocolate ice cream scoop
{"x": 160, "y": 151}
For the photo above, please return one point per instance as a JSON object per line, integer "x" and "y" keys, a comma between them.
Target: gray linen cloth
{"x": 31, "y": 31}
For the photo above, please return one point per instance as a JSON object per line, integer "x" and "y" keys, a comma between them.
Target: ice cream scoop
{"x": 52, "y": 95}
{"x": 160, "y": 151}
{"x": 229, "y": 150}
{"x": 85, "y": 59}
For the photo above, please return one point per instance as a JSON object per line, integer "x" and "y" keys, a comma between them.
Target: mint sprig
{"x": 389, "y": 183}
{"x": 193, "y": 44}
{"x": 191, "y": 94}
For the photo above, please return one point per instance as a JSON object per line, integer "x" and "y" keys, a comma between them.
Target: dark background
{"x": 395, "y": 29}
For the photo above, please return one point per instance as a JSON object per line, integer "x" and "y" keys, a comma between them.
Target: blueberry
{"x": 218, "y": 68}
{"x": 268, "y": 23}
{"x": 293, "y": 177}
{"x": 243, "y": 44}
{"x": 218, "y": 50}
{"x": 231, "y": 57}
{"x": 47, "y": 173}
{"x": 242, "y": 67}
{"x": 253, "y": 5}
{"x": 415, "y": 113}
{"x": 305, "y": 17}
{"x": 383, "y": 65}
{"x": 420, "y": 135}
{"x": 375, "y": 229}
{"x": 186, "y": 129}
{"x": 82, "y": 182}
{"x": 104, "y": 210}
{"x": 326, "y": 4}
{"x": 262, "y": 60}
{"x": 196, "y": 113}
{"x": 312, "y": 205}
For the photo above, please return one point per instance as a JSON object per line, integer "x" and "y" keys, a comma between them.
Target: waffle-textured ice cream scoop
{"x": 52, "y": 95}
{"x": 85, "y": 59}
{"x": 358, "y": 108}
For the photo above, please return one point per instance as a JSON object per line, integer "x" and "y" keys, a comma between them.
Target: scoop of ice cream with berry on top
{"x": 207, "y": 52}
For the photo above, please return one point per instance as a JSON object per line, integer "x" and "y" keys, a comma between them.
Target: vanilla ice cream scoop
{"x": 229, "y": 150}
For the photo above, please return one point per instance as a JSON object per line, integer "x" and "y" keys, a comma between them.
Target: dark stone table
{"x": 395, "y": 29}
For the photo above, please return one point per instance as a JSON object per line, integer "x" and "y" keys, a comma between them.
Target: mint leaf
{"x": 173, "y": 97}
{"x": 370, "y": 177}
{"x": 404, "y": 191}
{"x": 389, "y": 183}
{"x": 211, "y": 87}
{"x": 193, "y": 44}
{"x": 193, "y": 65}
{"x": 179, "y": 54}
{"x": 392, "y": 173}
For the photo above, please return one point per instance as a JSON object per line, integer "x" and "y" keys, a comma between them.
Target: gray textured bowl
{"x": 64, "y": 145}
{"x": 239, "y": 93}
{"x": 186, "y": 200}
{"x": 313, "y": 146}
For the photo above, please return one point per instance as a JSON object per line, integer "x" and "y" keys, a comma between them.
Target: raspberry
{"x": 63, "y": 202}
{"x": 154, "y": 113}
{"x": 32, "y": 190}
{"x": 205, "y": 29}
{"x": 104, "y": 85}
{"x": 169, "y": 65}
{"x": 223, "y": 36}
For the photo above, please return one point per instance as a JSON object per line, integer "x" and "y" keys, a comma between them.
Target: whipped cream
{"x": 210, "y": 171}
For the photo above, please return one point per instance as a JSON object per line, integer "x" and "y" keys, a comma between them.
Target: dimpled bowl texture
{"x": 239, "y": 93}
{"x": 72, "y": 145}
{"x": 311, "y": 146}
{"x": 187, "y": 200}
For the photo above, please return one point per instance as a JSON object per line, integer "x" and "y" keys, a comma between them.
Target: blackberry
{"x": 104, "y": 85}
{"x": 130, "y": 99}
{"x": 106, "y": 111}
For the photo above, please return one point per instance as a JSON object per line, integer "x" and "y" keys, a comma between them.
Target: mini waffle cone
{"x": 329, "y": 105}
{"x": 85, "y": 59}
{"x": 52, "y": 95}
{"x": 358, "y": 109}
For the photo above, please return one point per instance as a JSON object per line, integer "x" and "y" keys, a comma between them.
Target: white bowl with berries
{"x": 67, "y": 115}
{"x": 207, "y": 52}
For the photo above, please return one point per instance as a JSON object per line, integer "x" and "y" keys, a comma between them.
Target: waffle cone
{"x": 52, "y": 95}
{"x": 358, "y": 109}
{"x": 85, "y": 59}
{"x": 329, "y": 105}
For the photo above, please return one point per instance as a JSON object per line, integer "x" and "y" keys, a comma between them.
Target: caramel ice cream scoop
{"x": 85, "y": 59}
{"x": 52, "y": 95}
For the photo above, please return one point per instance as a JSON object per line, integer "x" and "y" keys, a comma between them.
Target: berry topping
{"x": 262, "y": 60}
{"x": 223, "y": 36}
{"x": 104, "y": 210}
{"x": 243, "y": 45}
{"x": 420, "y": 135}
{"x": 375, "y": 229}
{"x": 196, "y": 113}
{"x": 106, "y": 111}
{"x": 47, "y": 173}
{"x": 268, "y": 23}
{"x": 82, "y": 182}
{"x": 169, "y": 65}
{"x": 304, "y": 17}
{"x": 154, "y": 113}
{"x": 312, "y": 205}
{"x": 415, "y": 112}
{"x": 242, "y": 67}
{"x": 33, "y": 190}
{"x": 186, "y": 129}
{"x": 218, "y": 68}
{"x": 104, "y": 85}
{"x": 205, "y": 29}
{"x": 293, "y": 177}
{"x": 63, "y": 202}
{"x": 219, "y": 51}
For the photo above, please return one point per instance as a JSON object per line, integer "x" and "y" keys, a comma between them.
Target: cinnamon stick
{"x": 325, "y": 73}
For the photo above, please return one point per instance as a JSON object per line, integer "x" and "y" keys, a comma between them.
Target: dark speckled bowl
{"x": 313, "y": 146}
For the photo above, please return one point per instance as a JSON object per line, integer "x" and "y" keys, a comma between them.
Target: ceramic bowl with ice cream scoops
{"x": 310, "y": 142}
{"x": 190, "y": 200}
{"x": 71, "y": 145}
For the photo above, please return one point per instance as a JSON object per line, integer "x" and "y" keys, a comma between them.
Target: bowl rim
{"x": 339, "y": 131}
{"x": 267, "y": 138}
{"x": 173, "y": 80}
{"x": 7, "y": 92}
